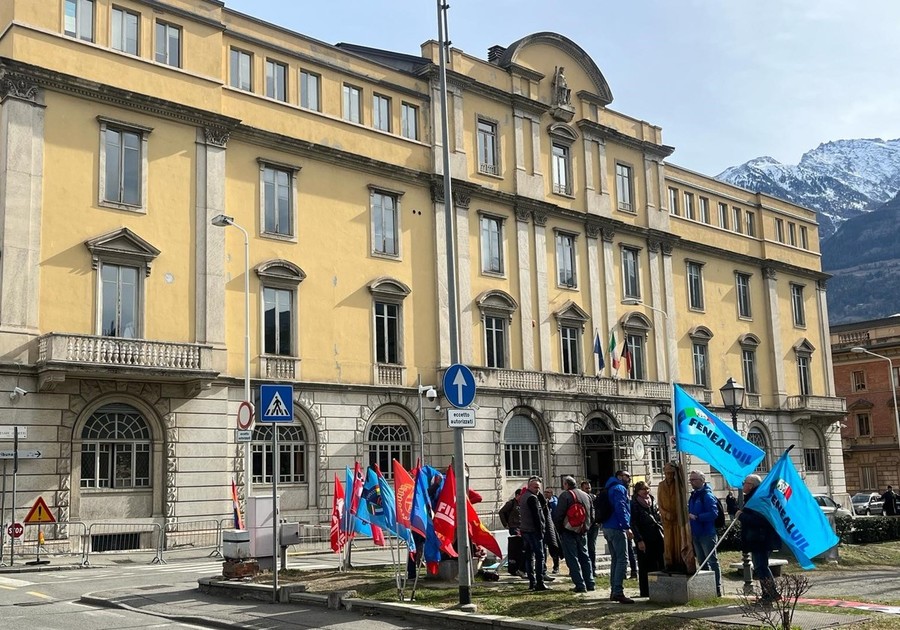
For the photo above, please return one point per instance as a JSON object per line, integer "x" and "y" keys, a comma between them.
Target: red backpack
{"x": 576, "y": 516}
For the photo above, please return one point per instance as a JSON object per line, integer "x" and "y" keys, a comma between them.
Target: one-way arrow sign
{"x": 22, "y": 454}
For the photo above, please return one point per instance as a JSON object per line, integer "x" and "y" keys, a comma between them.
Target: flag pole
{"x": 718, "y": 542}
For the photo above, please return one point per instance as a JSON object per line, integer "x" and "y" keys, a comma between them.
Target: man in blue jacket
{"x": 617, "y": 531}
{"x": 702, "y": 511}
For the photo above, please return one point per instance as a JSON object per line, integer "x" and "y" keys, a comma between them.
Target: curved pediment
{"x": 635, "y": 320}
{"x": 748, "y": 340}
{"x": 282, "y": 270}
{"x": 386, "y": 287}
{"x": 700, "y": 333}
{"x": 495, "y": 299}
{"x": 511, "y": 56}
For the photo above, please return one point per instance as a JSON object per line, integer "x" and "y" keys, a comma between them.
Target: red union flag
{"x": 405, "y": 488}
{"x": 445, "y": 510}
{"x": 338, "y": 538}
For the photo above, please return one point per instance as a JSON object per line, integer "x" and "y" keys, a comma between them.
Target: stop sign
{"x": 15, "y": 530}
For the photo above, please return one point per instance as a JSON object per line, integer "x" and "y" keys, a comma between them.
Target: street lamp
{"x": 893, "y": 385}
{"x": 733, "y": 400}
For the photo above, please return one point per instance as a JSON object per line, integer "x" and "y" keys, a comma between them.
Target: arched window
{"x": 813, "y": 458}
{"x": 115, "y": 449}
{"x": 389, "y": 439}
{"x": 659, "y": 446}
{"x": 522, "y": 447}
{"x": 757, "y": 437}
{"x": 291, "y": 454}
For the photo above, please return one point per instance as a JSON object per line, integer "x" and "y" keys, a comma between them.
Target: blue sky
{"x": 727, "y": 80}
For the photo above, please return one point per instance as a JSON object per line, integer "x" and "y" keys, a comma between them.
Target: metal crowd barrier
{"x": 124, "y": 537}
{"x": 191, "y": 535}
{"x": 60, "y": 540}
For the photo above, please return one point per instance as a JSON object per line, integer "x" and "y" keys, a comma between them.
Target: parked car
{"x": 865, "y": 503}
{"x": 830, "y": 506}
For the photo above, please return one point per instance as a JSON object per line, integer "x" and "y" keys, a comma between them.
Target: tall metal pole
{"x": 891, "y": 383}
{"x": 421, "y": 420}
{"x": 459, "y": 447}
{"x": 745, "y": 555}
{"x": 275, "y": 468}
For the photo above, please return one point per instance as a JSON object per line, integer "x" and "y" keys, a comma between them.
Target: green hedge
{"x": 859, "y": 531}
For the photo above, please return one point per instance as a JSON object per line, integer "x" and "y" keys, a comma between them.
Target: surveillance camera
{"x": 437, "y": 409}
{"x": 431, "y": 394}
{"x": 17, "y": 392}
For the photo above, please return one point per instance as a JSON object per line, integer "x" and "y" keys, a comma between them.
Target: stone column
{"x": 543, "y": 304}
{"x": 525, "y": 299}
{"x": 21, "y": 200}
{"x": 774, "y": 317}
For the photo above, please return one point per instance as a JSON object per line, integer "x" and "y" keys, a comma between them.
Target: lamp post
{"x": 893, "y": 385}
{"x": 733, "y": 400}
{"x": 670, "y": 363}
{"x": 430, "y": 393}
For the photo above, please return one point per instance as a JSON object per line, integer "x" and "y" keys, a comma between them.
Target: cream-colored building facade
{"x": 127, "y": 127}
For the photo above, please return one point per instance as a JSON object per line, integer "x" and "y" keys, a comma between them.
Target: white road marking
{"x": 13, "y": 583}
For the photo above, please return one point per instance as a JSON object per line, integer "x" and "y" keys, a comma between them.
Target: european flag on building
{"x": 699, "y": 432}
{"x": 787, "y": 503}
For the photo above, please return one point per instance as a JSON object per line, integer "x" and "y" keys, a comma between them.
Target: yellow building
{"x": 125, "y": 130}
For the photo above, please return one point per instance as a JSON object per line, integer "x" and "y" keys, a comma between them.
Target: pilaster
{"x": 824, "y": 337}
{"x": 594, "y": 287}
{"x": 773, "y": 314}
{"x": 661, "y": 321}
{"x": 543, "y": 304}
{"x": 461, "y": 202}
{"x": 609, "y": 267}
{"x": 671, "y": 309}
{"x": 441, "y": 269}
{"x": 525, "y": 299}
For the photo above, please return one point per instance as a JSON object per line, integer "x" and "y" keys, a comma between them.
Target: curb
{"x": 211, "y": 622}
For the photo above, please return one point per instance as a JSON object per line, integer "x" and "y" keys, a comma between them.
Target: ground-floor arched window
{"x": 522, "y": 447}
{"x": 291, "y": 454}
{"x": 389, "y": 438}
{"x": 757, "y": 437}
{"x": 115, "y": 449}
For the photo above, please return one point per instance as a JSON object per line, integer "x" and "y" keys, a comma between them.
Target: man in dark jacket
{"x": 890, "y": 502}
{"x": 702, "y": 511}
{"x": 509, "y": 514}
{"x": 617, "y": 532}
{"x": 758, "y": 538}
{"x": 574, "y": 541}
{"x": 533, "y": 525}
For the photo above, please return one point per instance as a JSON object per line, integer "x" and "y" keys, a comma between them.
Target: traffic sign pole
{"x": 277, "y": 405}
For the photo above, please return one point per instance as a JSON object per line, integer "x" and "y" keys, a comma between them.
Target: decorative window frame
{"x": 750, "y": 343}
{"x": 801, "y": 321}
{"x": 503, "y": 253}
{"x": 638, "y": 324}
{"x": 390, "y": 291}
{"x": 280, "y": 274}
{"x": 765, "y": 465}
{"x": 631, "y": 206}
{"x": 637, "y": 271}
{"x": 497, "y": 303}
{"x": 570, "y": 315}
{"x": 687, "y": 278}
{"x": 293, "y": 170}
{"x": 495, "y": 169}
{"x": 398, "y": 227}
{"x": 564, "y": 136}
{"x": 143, "y": 131}
{"x": 737, "y": 302}
{"x": 803, "y": 351}
{"x": 557, "y": 233}
{"x": 701, "y": 335}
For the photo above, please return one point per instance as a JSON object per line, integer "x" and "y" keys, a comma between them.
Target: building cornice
{"x": 608, "y": 133}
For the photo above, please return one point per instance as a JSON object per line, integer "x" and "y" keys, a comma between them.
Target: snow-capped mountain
{"x": 839, "y": 179}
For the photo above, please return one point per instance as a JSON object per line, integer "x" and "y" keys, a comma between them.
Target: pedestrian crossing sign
{"x": 276, "y": 402}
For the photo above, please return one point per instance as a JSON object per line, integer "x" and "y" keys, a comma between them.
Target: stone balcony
{"x": 279, "y": 368}
{"x": 64, "y": 355}
{"x": 818, "y": 405}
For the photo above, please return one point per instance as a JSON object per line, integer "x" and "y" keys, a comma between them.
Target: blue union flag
{"x": 699, "y": 432}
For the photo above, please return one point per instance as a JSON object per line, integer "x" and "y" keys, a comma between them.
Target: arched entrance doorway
{"x": 598, "y": 446}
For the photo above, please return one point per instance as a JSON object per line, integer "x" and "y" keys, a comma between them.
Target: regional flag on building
{"x": 789, "y": 506}
{"x": 699, "y": 432}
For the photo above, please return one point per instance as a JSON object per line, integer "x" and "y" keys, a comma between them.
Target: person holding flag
{"x": 758, "y": 538}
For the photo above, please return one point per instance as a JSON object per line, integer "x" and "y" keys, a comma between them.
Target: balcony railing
{"x": 387, "y": 374}
{"x": 521, "y": 380}
{"x": 116, "y": 352}
{"x": 279, "y": 368}
{"x": 826, "y": 404}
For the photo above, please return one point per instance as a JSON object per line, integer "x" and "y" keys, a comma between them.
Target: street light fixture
{"x": 893, "y": 385}
{"x": 733, "y": 400}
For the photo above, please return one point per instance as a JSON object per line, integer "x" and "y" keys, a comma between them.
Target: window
{"x": 624, "y": 187}
{"x": 751, "y": 223}
{"x": 495, "y": 342}
{"x": 521, "y": 448}
{"x": 868, "y": 477}
{"x": 803, "y": 375}
{"x": 168, "y": 44}
{"x": 792, "y": 233}
{"x": 352, "y": 103}
{"x": 276, "y": 80}
{"x": 673, "y": 201}
{"x": 309, "y": 90}
{"x": 804, "y": 237}
{"x": 571, "y": 349}
{"x": 487, "y": 147}
{"x": 561, "y": 169}
{"x": 895, "y": 377}
{"x": 278, "y": 206}
{"x": 689, "y": 205}
{"x": 125, "y": 31}
{"x": 738, "y": 225}
{"x": 858, "y": 380}
{"x": 635, "y": 356}
{"x": 241, "y": 70}
{"x": 278, "y": 321}
{"x": 700, "y": 338}
{"x": 79, "y": 19}
{"x": 565, "y": 260}
{"x": 704, "y": 209}
{"x": 119, "y": 301}
{"x": 381, "y": 112}
{"x": 695, "y": 285}
{"x": 748, "y": 367}
{"x": 491, "y": 244}
{"x": 387, "y": 442}
{"x": 631, "y": 287}
{"x": 797, "y": 305}
{"x": 115, "y": 449}
{"x": 659, "y": 446}
{"x": 387, "y": 333}
{"x": 723, "y": 216}
{"x": 123, "y": 163}
{"x": 742, "y": 281}
{"x": 409, "y": 121}
{"x": 291, "y": 454}
{"x": 756, "y": 437}
{"x": 863, "y": 425}
{"x": 385, "y": 235}
{"x": 779, "y": 230}
{"x": 812, "y": 458}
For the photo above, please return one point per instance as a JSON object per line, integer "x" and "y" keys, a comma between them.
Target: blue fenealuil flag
{"x": 699, "y": 432}
{"x": 788, "y": 504}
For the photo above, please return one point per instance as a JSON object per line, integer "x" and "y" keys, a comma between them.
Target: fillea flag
{"x": 699, "y": 432}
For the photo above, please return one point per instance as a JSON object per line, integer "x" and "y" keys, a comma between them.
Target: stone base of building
{"x": 674, "y": 588}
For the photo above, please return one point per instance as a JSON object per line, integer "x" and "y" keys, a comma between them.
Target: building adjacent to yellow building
{"x": 126, "y": 128}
